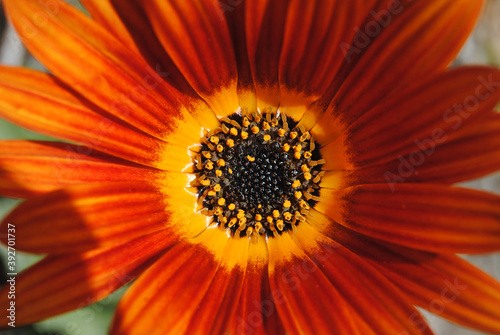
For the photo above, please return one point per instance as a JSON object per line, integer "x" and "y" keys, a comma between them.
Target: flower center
{"x": 257, "y": 174}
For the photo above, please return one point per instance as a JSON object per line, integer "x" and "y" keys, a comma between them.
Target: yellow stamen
{"x": 218, "y": 173}
{"x": 293, "y": 135}
{"x": 297, "y": 155}
{"x": 258, "y": 217}
{"x": 286, "y": 146}
{"x": 234, "y": 131}
{"x": 287, "y": 216}
{"x": 231, "y": 207}
{"x": 230, "y": 143}
{"x": 214, "y": 139}
{"x": 220, "y": 148}
{"x": 281, "y": 132}
{"x": 276, "y": 213}
{"x": 266, "y": 126}
{"x": 307, "y": 176}
{"x": 304, "y": 168}
{"x": 267, "y": 137}
{"x": 209, "y": 165}
{"x": 221, "y": 162}
{"x": 255, "y": 129}
{"x": 217, "y": 188}
{"x": 280, "y": 225}
{"x": 287, "y": 204}
{"x": 296, "y": 183}
{"x": 298, "y": 194}
{"x": 250, "y": 158}
{"x": 221, "y": 201}
{"x": 246, "y": 123}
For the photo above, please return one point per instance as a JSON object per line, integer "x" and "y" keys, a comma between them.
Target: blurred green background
{"x": 482, "y": 48}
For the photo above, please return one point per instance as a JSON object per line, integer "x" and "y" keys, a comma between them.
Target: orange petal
{"x": 84, "y": 217}
{"x": 305, "y": 299}
{"x": 170, "y": 291}
{"x": 448, "y": 286}
{"x": 255, "y": 312}
{"x": 396, "y": 46}
{"x": 446, "y": 105}
{"x": 445, "y": 285}
{"x": 378, "y": 301}
{"x": 196, "y": 37}
{"x": 102, "y": 69}
{"x": 61, "y": 114}
{"x": 32, "y": 168}
{"x": 61, "y": 283}
{"x": 472, "y": 155}
{"x": 310, "y": 57}
{"x": 421, "y": 216}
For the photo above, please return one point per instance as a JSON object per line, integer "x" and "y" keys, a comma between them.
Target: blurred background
{"x": 483, "y": 47}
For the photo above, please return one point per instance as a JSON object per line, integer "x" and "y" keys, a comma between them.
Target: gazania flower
{"x": 260, "y": 166}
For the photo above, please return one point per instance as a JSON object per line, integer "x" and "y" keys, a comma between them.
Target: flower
{"x": 260, "y": 166}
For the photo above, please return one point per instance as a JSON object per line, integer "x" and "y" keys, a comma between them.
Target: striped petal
{"x": 75, "y": 280}
{"x": 189, "y": 32}
{"x": 447, "y": 105}
{"x": 446, "y": 285}
{"x": 31, "y": 168}
{"x": 61, "y": 114}
{"x": 395, "y": 46}
{"x": 421, "y": 216}
{"x": 172, "y": 278}
{"x": 84, "y": 217}
{"x": 474, "y": 154}
{"x": 102, "y": 69}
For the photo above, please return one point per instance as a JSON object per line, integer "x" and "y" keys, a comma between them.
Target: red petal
{"x": 58, "y": 284}
{"x": 32, "y": 168}
{"x": 61, "y": 114}
{"x": 84, "y": 217}
{"x": 421, "y": 216}
{"x": 195, "y": 36}
{"x": 170, "y": 291}
{"x": 443, "y": 284}
{"x": 396, "y": 46}
{"x": 103, "y": 70}
{"x": 447, "y": 105}
{"x": 472, "y": 155}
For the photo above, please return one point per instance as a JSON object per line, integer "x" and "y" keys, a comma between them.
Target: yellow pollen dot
{"x": 307, "y": 176}
{"x": 224, "y": 220}
{"x": 266, "y": 126}
{"x": 270, "y": 219}
{"x": 232, "y": 222}
{"x": 288, "y": 216}
{"x": 246, "y": 123}
{"x": 297, "y": 147}
{"x": 205, "y": 182}
{"x": 296, "y": 183}
{"x": 293, "y": 134}
{"x": 304, "y": 168}
{"x": 218, "y": 211}
{"x": 259, "y": 206}
{"x": 244, "y": 135}
{"x": 258, "y": 227}
{"x": 230, "y": 171}
{"x": 276, "y": 213}
{"x": 211, "y": 193}
{"x": 250, "y": 158}
{"x": 220, "y": 148}
{"x": 217, "y": 188}
{"x": 231, "y": 207}
{"x": 307, "y": 154}
{"x": 280, "y": 225}
{"x": 218, "y": 173}
{"x": 249, "y": 231}
{"x": 287, "y": 204}
{"x": 258, "y": 217}
{"x": 297, "y": 155}
{"x": 267, "y": 137}
{"x": 243, "y": 221}
{"x": 230, "y": 143}
{"x": 255, "y": 129}
{"x": 234, "y": 131}
{"x": 207, "y": 154}
{"x": 298, "y": 194}
{"x": 221, "y": 201}
{"x": 214, "y": 139}
{"x": 281, "y": 132}
{"x": 209, "y": 165}
{"x": 241, "y": 214}
{"x": 286, "y": 146}
{"x": 304, "y": 204}
{"x": 221, "y": 162}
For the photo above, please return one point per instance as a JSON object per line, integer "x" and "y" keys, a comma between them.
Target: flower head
{"x": 260, "y": 166}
